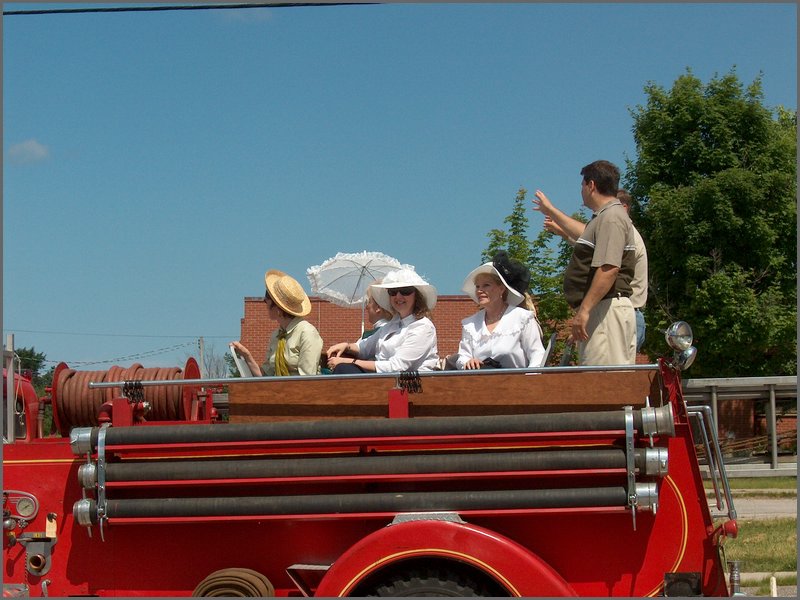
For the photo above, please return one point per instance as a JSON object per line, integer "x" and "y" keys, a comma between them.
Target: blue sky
{"x": 155, "y": 165}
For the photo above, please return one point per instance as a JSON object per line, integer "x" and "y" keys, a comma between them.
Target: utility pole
{"x": 10, "y": 414}
{"x": 201, "y": 345}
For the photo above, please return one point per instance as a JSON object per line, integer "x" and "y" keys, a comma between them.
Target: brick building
{"x": 340, "y": 324}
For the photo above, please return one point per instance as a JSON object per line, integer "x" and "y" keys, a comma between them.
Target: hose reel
{"x": 77, "y": 405}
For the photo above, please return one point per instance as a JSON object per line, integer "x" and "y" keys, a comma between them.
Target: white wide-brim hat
{"x": 514, "y": 298}
{"x": 399, "y": 279}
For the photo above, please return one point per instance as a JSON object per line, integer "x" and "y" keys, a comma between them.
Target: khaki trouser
{"x": 612, "y": 334}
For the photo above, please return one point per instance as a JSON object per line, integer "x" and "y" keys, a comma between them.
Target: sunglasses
{"x": 406, "y": 291}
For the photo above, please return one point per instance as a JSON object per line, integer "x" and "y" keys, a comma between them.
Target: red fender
{"x": 514, "y": 567}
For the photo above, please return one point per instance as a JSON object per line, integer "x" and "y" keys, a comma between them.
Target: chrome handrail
{"x": 716, "y": 468}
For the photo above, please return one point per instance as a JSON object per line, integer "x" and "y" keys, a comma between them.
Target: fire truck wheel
{"x": 423, "y": 581}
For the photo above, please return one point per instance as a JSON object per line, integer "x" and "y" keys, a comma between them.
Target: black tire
{"x": 433, "y": 582}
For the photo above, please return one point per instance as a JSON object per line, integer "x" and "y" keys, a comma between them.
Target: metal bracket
{"x": 452, "y": 517}
{"x": 301, "y": 573}
{"x": 409, "y": 381}
{"x": 133, "y": 391}
{"x": 101, "y": 477}
{"x": 647, "y": 405}
{"x": 630, "y": 463}
{"x": 38, "y": 549}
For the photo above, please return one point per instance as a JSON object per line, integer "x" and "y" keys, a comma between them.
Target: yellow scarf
{"x": 281, "y": 366}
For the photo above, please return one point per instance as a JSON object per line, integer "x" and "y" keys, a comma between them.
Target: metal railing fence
{"x": 770, "y": 389}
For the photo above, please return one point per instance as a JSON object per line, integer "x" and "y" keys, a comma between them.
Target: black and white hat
{"x": 513, "y": 274}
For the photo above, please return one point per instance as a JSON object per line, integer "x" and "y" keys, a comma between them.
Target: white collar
{"x": 405, "y": 320}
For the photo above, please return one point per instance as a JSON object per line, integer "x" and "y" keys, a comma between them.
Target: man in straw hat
{"x": 407, "y": 342}
{"x": 296, "y": 346}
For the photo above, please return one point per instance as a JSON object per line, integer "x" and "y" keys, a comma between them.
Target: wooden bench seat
{"x": 462, "y": 394}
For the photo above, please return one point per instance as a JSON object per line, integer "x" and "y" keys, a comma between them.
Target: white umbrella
{"x": 344, "y": 279}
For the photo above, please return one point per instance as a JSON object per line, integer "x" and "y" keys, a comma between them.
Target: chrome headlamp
{"x": 679, "y": 337}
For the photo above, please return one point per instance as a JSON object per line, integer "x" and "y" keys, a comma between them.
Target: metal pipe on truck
{"x": 85, "y": 511}
{"x": 648, "y": 421}
{"x": 648, "y": 461}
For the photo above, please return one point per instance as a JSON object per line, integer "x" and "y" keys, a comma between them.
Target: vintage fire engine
{"x": 558, "y": 481}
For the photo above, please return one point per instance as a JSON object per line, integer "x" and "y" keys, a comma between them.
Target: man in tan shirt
{"x": 572, "y": 229}
{"x": 597, "y": 282}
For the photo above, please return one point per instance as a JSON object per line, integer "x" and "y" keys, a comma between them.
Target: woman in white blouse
{"x": 502, "y": 333}
{"x": 406, "y": 343}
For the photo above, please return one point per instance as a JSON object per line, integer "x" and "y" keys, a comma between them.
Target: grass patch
{"x": 758, "y": 483}
{"x": 762, "y": 588}
{"x": 764, "y": 545}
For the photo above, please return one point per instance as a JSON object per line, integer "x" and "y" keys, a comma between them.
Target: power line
{"x": 109, "y": 9}
{"x": 122, "y": 358}
{"x": 136, "y": 335}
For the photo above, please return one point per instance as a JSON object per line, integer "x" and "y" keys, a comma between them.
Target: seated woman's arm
{"x": 345, "y": 352}
{"x": 531, "y": 341}
{"x": 466, "y": 352}
{"x": 255, "y": 368}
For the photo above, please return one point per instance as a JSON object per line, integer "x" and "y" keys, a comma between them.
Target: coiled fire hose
{"x": 235, "y": 583}
{"x": 76, "y": 405}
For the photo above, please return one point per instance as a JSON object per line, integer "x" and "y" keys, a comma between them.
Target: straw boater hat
{"x": 287, "y": 293}
{"x": 399, "y": 279}
{"x": 513, "y": 274}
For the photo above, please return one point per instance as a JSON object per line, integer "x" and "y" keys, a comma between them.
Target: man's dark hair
{"x": 605, "y": 176}
{"x": 624, "y": 197}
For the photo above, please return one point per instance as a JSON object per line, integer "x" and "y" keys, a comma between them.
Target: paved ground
{"x": 786, "y": 591}
{"x": 760, "y": 508}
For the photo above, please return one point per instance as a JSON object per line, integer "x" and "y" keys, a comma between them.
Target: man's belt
{"x": 616, "y": 295}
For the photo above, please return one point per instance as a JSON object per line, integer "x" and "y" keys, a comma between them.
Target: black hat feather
{"x": 517, "y": 275}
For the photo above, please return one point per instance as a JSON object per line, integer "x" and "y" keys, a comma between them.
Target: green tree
{"x": 30, "y": 360}
{"x": 34, "y": 362}
{"x": 545, "y": 260}
{"x": 715, "y": 182}
{"x": 515, "y": 239}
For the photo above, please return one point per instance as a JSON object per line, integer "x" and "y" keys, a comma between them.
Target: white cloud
{"x": 29, "y": 151}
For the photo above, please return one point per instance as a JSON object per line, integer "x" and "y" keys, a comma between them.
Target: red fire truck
{"x": 558, "y": 481}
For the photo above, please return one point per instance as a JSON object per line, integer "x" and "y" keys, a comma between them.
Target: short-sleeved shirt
{"x": 606, "y": 240}
{"x": 515, "y": 342}
{"x": 303, "y": 349}
{"x": 407, "y": 344}
{"x": 639, "y": 281}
